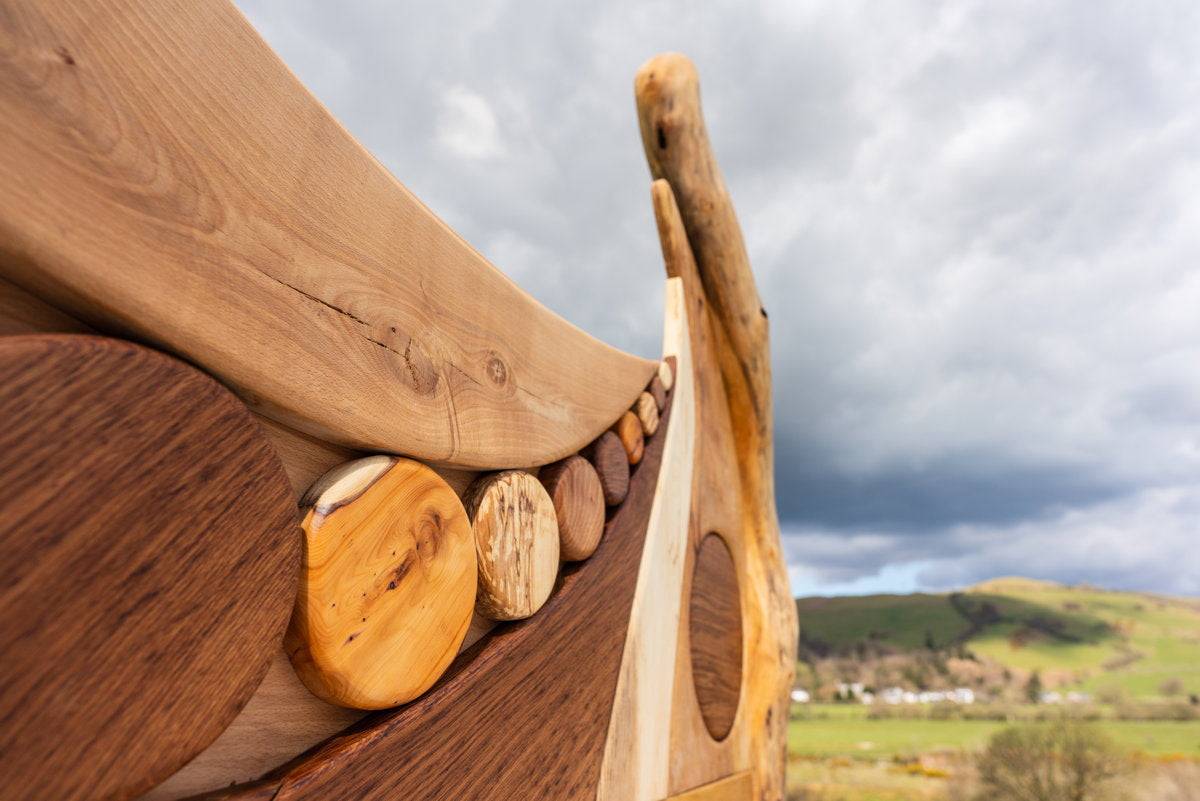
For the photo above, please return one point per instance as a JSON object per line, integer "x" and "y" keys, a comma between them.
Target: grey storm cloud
{"x": 976, "y": 226}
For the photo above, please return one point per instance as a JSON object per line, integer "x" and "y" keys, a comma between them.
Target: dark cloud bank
{"x": 976, "y": 226}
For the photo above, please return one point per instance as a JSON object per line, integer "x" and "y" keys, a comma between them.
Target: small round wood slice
{"x": 715, "y": 634}
{"x": 387, "y": 584}
{"x": 666, "y": 374}
{"x": 629, "y": 429}
{"x": 608, "y": 456}
{"x": 657, "y": 391}
{"x": 516, "y": 540}
{"x": 149, "y": 554}
{"x": 647, "y": 413}
{"x": 578, "y": 505}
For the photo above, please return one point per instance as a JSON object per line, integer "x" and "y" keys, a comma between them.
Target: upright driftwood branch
{"x": 702, "y": 243}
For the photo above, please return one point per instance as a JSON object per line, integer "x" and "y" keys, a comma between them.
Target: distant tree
{"x": 930, "y": 643}
{"x": 1171, "y": 687}
{"x": 1062, "y": 761}
{"x": 1033, "y": 687}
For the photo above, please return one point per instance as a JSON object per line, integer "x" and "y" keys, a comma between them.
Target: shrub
{"x": 1062, "y": 761}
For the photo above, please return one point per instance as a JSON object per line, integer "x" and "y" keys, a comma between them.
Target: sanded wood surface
{"x": 387, "y": 583}
{"x": 516, "y": 543}
{"x": 715, "y": 635}
{"x": 666, "y": 375}
{"x": 611, "y": 461}
{"x": 165, "y": 176}
{"x": 578, "y": 498}
{"x": 150, "y": 555}
{"x": 646, "y": 410}
{"x": 522, "y": 716}
{"x": 629, "y": 430}
{"x": 738, "y": 787}
{"x": 736, "y": 487}
{"x": 636, "y": 763}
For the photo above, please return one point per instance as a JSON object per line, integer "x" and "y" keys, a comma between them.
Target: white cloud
{"x": 467, "y": 126}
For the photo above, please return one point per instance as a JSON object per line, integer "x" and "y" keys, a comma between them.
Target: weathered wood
{"x": 647, "y": 413}
{"x": 387, "y": 583}
{"x": 165, "y": 177}
{"x": 578, "y": 498}
{"x": 738, "y": 787}
{"x": 516, "y": 540}
{"x": 658, "y": 391}
{"x": 715, "y": 635}
{"x": 611, "y": 461}
{"x": 522, "y": 716}
{"x": 150, "y": 553}
{"x": 629, "y": 430}
{"x": 636, "y": 764}
{"x": 677, "y": 149}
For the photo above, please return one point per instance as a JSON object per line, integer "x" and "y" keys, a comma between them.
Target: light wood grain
{"x": 666, "y": 375}
{"x": 629, "y": 430}
{"x": 574, "y": 486}
{"x": 647, "y": 413}
{"x": 387, "y": 583}
{"x": 516, "y": 541}
{"x": 658, "y": 391}
{"x": 677, "y": 149}
{"x": 165, "y": 177}
{"x": 738, "y": 787}
{"x": 636, "y": 764}
{"x": 611, "y": 461}
{"x": 149, "y": 550}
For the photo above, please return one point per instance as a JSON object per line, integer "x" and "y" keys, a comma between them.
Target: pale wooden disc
{"x": 647, "y": 413}
{"x": 516, "y": 542}
{"x": 387, "y": 585}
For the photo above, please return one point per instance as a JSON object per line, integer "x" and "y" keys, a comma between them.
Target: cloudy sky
{"x": 976, "y": 226}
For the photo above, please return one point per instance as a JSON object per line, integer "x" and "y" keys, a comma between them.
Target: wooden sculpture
{"x": 518, "y": 563}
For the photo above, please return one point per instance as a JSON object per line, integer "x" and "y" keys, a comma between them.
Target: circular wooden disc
{"x": 516, "y": 540}
{"x": 715, "y": 633}
{"x": 666, "y": 374}
{"x": 657, "y": 391}
{"x": 629, "y": 429}
{"x": 578, "y": 499}
{"x": 608, "y": 456}
{"x": 387, "y": 584}
{"x": 647, "y": 413}
{"x": 149, "y": 551}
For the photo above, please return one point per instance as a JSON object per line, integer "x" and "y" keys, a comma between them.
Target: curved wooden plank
{"x": 163, "y": 175}
{"x": 149, "y": 554}
{"x": 524, "y": 714}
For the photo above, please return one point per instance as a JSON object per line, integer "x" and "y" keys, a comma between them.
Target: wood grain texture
{"x": 719, "y": 280}
{"x": 574, "y": 487}
{"x": 524, "y": 714}
{"x": 715, "y": 635}
{"x": 629, "y": 430}
{"x": 647, "y": 413}
{"x": 233, "y": 221}
{"x": 658, "y": 391}
{"x": 516, "y": 542}
{"x": 636, "y": 763}
{"x": 738, "y": 787}
{"x": 666, "y": 375}
{"x": 387, "y": 583}
{"x": 150, "y": 555}
{"x": 611, "y": 461}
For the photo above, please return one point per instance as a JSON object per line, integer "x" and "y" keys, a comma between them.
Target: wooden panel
{"x": 525, "y": 713}
{"x": 637, "y": 748}
{"x": 165, "y": 177}
{"x": 715, "y": 635}
{"x": 739, "y": 787}
{"x": 150, "y": 554}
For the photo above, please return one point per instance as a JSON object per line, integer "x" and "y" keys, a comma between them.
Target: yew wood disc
{"x": 387, "y": 583}
{"x": 629, "y": 429}
{"x": 149, "y": 552}
{"x": 516, "y": 542}
{"x": 608, "y": 456}
{"x": 647, "y": 413}
{"x": 578, "y": 505}
{"x": 715, "y": 633}
{"x": 656, "y": 389}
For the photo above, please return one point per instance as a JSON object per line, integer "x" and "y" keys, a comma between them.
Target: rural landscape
{"x": 1010, "y": 689}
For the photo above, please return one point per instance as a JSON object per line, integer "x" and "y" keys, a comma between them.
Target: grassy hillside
{"x": 1094, "y": 640}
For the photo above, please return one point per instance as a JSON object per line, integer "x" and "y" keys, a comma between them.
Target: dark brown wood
{"x": 657, "y": 391}
{"x": 608, "y": 456}
{"x": 149, "y": 551}
{"x": 524, "y": 715}
{"x": 578, "y": 504}
{"x": 715, "y": 635}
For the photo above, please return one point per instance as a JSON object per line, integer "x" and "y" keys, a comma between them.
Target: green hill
{"x": 1137, "y": 645}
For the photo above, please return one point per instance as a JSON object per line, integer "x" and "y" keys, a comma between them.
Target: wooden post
{"x": 703, "y": 245}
